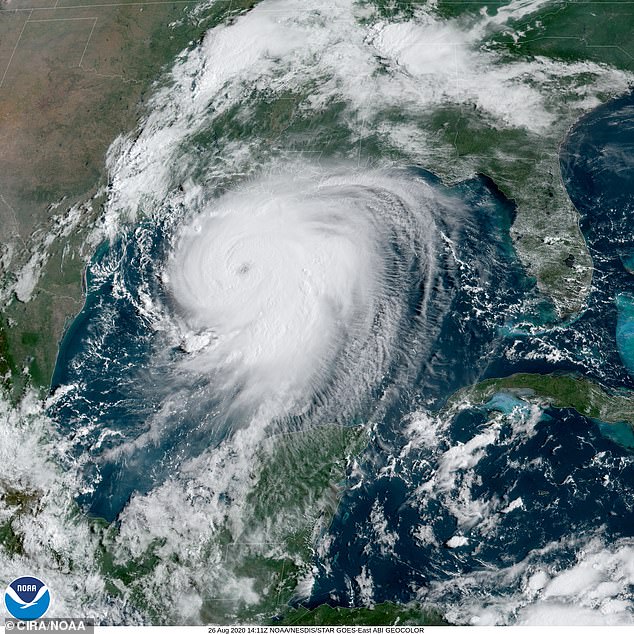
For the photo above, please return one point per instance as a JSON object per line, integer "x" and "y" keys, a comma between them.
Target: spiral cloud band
{"x": 294, "y": 291}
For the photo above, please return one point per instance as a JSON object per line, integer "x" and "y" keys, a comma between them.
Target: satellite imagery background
{"x": 318, "y": 312}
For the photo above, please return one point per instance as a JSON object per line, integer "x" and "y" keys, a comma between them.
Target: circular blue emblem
{"x": 27, "y": 598}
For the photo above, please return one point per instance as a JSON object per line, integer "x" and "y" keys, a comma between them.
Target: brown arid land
{"x": 73, "y": 75}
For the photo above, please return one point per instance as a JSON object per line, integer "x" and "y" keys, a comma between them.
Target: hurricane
{"x": 309, "y": 295}
{"x": 295, "y": 292}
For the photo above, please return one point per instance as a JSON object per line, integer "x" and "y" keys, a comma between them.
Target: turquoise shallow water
{"x": 621, "y": 433}
{"x": 505, "y": 403}
{"x": 628, "y": 262}
{"x": 625, "y": 330}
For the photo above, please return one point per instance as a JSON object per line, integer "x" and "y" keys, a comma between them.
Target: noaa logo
{"x": 27, "y": 598}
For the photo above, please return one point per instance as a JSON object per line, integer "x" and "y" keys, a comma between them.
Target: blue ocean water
{"x": 528, "y": 477}
{"x": 104, "y": 356}
{"x": 573, "y": 477}
{"x": 119, "y": 361}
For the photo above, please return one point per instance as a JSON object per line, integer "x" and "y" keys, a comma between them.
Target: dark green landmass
{"x": 527, "y": 169}
{"x": 10, "y": 541}
{"x": 316, "y": 458}
{"x": 7, "y": 365}
{"x": 18, "y": 502}
{"x": 559, "y": 390}
{"x": 575, "y": 31}
{"x": 380, "y": 614}
{"x": 296, "y": 495}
